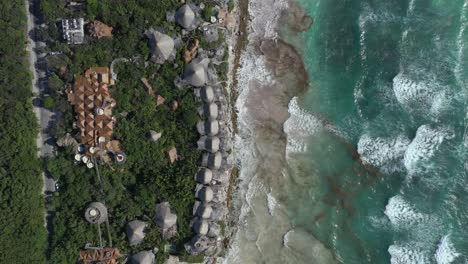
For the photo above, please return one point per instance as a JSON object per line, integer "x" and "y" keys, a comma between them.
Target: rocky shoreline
{"x": 271, "y": 73}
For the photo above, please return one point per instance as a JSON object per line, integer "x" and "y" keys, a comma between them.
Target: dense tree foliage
{"x": 23, "y": 235}
{"x": 131, "y": 190}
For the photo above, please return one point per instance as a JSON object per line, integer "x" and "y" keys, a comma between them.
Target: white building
{"x": 73, "y": 30}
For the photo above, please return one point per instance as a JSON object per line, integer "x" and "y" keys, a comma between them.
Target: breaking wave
{"x": 424, "y": 146}
{"x": 383, "y": 153}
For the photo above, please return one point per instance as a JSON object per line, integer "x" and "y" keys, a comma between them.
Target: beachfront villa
{"x": 209, "y": 127}
{"x": 210, "y": 111}
{"x": 204, "y": 176}
{"x": 93, "y": 106}
{"x": 210, "y": 144}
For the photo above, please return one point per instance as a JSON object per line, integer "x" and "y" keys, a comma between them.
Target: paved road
{"x": 44, "y": 117}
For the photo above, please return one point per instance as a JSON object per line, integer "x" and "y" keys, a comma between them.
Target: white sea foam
{"x": 446, "y": 252}
{"x": 412, "y": 93}
{"x": 300, "y": 125}
{"x": 459, "y": 72}
{"x": 424, "y": 146}
{"x": 272, "y": 203}
{"x": 402, "y": 214}
{"x": 407, "y": 254}
{"x": 383, "y": 153}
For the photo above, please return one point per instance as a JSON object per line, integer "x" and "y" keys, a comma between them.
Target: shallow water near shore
{"x": 372, "y": 165}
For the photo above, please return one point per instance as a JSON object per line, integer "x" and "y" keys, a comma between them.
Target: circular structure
{"x": 77, "y": 157}
{"x": 92, "y": 150}
{"x": 96, "y": 213}
{"x": 120, "y": 157}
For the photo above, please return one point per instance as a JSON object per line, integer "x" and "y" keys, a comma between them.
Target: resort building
{"x": 185, "y": 17}
{"x": 210, "y": 144}
{"x": 201, "y": 210}
{"x": 98, "y": 30}
{"x": 143, "y": 257}
{"x": 136, "y": 232}
{"x": 206, "y": 94}
{"x": 201, "y": 227}
{"x": 93, "y": 106}
{"x": 96, "y": 213}
{"x": 212, "y": 160}
{"x": 210, "y": 111}
{"x": 102, "y": 256}
{"x": 204, "y": 176}
{"x": 209, "y": 128}
{"x": 166, "y": 220}
{"x": 73, "y": 30}
{"x": 204, "y": 193}
{"x": 195, "y": 73}
{"x": 161, "y": 45}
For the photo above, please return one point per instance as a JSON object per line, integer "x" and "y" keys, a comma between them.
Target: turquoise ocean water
{"x": 384, "y": 179}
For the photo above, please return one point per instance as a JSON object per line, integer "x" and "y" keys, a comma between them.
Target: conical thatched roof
{"x": 164, "y": 218}
{"x": 204, "y": 193}
{"x": 162, "y": 46}
{"x": 201, "y": 227}
{"x": 212, "y": 160}
{"x": 202, "y": 210}
{"x": 143, "y": 257}
{"x": 204, "y": 176}
{"x": 207, "y": 94}
{"x": 195, "y": 74}
{"x": 210, "y": 111}
{"x": 210, "y": 128}
{"x": 136, "y": 231}
{"x": 186, "y": 17}
{"x": 210, "y": 144}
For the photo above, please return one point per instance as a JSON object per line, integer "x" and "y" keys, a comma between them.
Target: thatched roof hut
{"x": 136, "y": 232}
{"x": 185, "y": 17}
{"x": 209, "y": 127}
{"x": 143, "y": 257}
{"x": 212, "y": 160}
{"x": 204, "y": 176}
{"x": 201, "y": 227}
{"x": 210, "y": 111}
{"x": 204, "y": 193}
{"x": 195, "y": 73}
{"x": 210, "y": 144}
{"x": 164, "y": 218}
{"x": 162, "y": 46}
{"x": 202, "y": 210}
